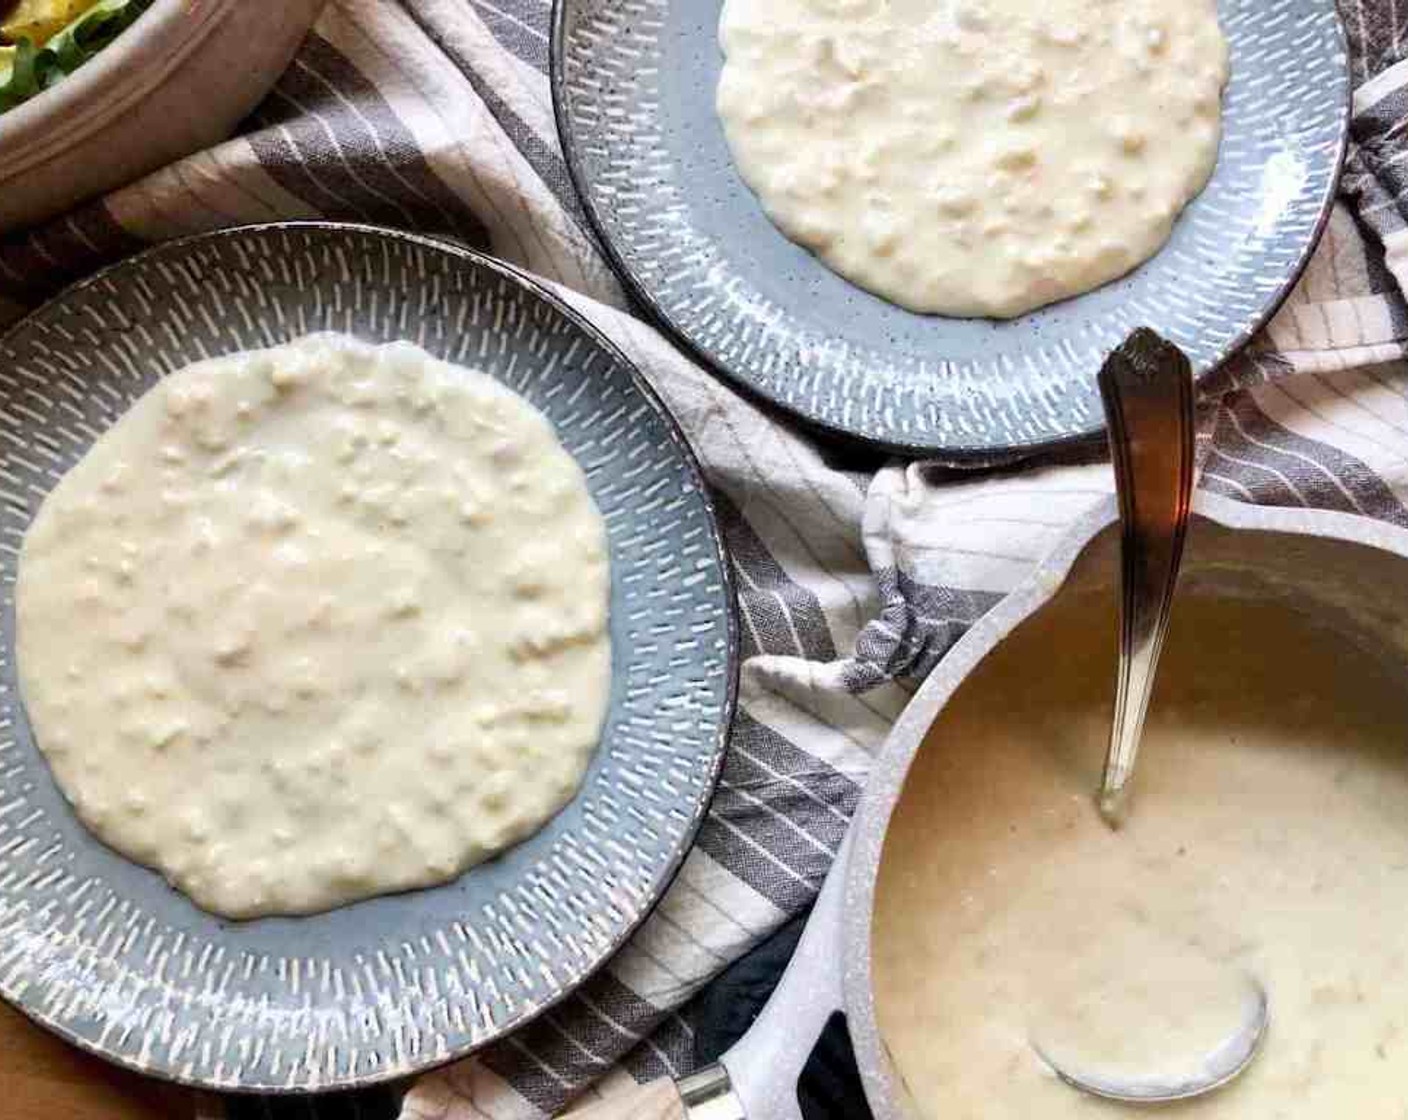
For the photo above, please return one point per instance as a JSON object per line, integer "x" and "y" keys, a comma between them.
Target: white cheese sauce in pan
{"x": 1268, "y": 837}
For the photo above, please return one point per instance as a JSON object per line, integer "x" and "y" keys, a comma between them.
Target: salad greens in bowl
{"x": 44, "y": 41}
{"x": 94, "y": 94}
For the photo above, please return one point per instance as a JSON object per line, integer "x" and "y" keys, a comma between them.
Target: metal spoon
{"x": 1147, "y": 388}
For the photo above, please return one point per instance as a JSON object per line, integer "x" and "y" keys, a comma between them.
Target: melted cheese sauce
{"x": 974, "y": 157}
{"x": 317, "y": 623}
{"x": 1268, "y": 836}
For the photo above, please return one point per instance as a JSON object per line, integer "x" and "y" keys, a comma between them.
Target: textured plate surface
{"x": 634, "y": 84}
{"x": 102, "y": 950}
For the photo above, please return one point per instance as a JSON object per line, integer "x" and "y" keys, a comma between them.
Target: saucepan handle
{"x": 658, "y": 1100}
{"x": 759, "y": 1076}
{"x": 766, "y": 1065}
{"x": 706, "y": 1095}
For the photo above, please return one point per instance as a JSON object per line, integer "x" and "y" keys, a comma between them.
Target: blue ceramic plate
{"x": 100, "y": 949}
{"x": 634, "y": 84}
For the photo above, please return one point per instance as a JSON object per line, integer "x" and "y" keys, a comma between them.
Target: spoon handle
{"x": 1147, "y": 388}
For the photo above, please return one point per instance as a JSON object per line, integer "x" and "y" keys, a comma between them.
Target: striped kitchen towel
{"x": 855, "y": 576}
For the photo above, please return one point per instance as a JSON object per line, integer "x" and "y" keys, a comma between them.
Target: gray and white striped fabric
{"x": 855, "y": 577}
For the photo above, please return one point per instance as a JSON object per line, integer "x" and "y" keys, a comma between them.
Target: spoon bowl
{"x": 1220, "y": 1066}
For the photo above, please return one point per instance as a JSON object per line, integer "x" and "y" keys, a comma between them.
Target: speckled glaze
{"x": 1351, "y": 572}
{"x": 101, "y": 950}
{"x": 634, "y": 84}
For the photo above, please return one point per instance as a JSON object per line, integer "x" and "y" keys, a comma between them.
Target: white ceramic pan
{"x": 1351, "y": 572}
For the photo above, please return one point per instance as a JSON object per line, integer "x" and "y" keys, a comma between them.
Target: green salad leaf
{"x": 94, "y": 30}
{"x": 26, "y": 70}
{"x": 19, "y": 78}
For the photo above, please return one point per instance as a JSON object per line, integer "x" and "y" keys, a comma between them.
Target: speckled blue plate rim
{"x": 952, "y": 455}
{"x": 726, "y": 575}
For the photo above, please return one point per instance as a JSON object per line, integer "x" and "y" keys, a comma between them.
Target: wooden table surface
{"x": 42, "y": 1078}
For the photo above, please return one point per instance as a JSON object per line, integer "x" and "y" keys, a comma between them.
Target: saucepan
{"x": 1350, "y": 572}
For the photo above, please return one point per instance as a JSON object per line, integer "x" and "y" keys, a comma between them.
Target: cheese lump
{"x": 974, "y": 157}
{"x": 317, "y": 623}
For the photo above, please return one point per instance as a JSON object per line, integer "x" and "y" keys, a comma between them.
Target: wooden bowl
{"x": 176, "y": 81}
